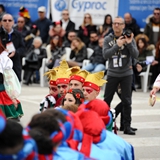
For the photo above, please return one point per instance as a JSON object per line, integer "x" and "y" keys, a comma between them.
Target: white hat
{"x": 42, "y": 9}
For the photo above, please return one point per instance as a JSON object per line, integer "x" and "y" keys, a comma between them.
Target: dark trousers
{"x": 111, "y": 88}
{"x": 119, "y": 109}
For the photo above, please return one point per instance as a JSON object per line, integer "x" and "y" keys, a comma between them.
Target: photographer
{"x": 119, "y": 48}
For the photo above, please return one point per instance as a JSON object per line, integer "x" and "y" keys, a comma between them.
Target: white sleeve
{"x": 157, "y": 82}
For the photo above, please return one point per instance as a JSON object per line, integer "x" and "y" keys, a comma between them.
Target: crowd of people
{"x": 73, "y": 123}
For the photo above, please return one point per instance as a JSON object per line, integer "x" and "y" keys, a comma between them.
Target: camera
{"x": 127, "y": 33}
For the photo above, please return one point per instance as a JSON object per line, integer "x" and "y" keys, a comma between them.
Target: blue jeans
{"x": 94, "y": 67}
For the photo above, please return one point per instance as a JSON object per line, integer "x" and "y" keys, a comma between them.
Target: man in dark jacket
{"x": 130, "y": 23}
{"x": 120, "y": 50}
{"x": 67, "y": 24}
{"x": 152, "y": 29}
{"x": 97, "y": 62}
{"x": 43, "y": 24}
{"x": 12, "y": 41}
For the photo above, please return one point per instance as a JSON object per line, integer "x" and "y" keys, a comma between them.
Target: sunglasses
{"x": 5, "y": 20}
{"x": 20, "y": 21}
{"x": 93, "y": 37}
{"x": 156, "y": 13}
{"x": 88, "y": 90}
{"x": 72, "y": 36}
{"x": 65, "y": 14}
{"x": 116, "y": 23}
{"x": 53, "y": 89}
{"x": 62, "y": 86}
{"x": 87, "y": 17}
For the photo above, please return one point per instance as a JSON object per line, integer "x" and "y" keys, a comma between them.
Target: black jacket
{"x": 70, "y": 26}
{"x": 43, "y": 26}
{"x": 80, "y": 56}
{"x": 97, "y": 56}
{"x": 85, "y": 38}
{"x": 33, "y": 60}
{"x": 134, "y": 27}
{"x": 17, "y": 40}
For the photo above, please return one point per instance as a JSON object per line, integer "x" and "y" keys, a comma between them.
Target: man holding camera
{"x": 119, "y": 48}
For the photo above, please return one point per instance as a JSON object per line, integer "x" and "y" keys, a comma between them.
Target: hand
{"x": 154, "y": 63}
{"x": 129, "y": 39}
{"x": 138, "y": 67}
{"x": 120, "y": 41}
{"x": 15, "y": 102}
{"x": 153, "y": 91}
{"x": 72, "y": 47}
{"x": 11, "y": 54}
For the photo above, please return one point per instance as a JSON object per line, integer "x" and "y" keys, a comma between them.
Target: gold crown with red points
{"x": 78, "y": 74}
{"x": 63, "y": 73}
{"x": 51, "y": 76}
{"x": 95, "y": 80}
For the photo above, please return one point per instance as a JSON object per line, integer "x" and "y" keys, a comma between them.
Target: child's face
{"x": 140, "y": 44}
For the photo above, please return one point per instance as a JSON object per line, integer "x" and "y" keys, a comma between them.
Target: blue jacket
{"x": 67, "y": 153}
{"x": 103, "y": 154}
{"x": 117, "y": 144}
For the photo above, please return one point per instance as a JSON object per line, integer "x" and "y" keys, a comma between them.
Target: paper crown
{"x": 24, "y": 12}
{"x": 94, "y": 80}
{"x": 63, "y": 73}
{"x": 78, "y": 74}
{"x": 51, "y": 76}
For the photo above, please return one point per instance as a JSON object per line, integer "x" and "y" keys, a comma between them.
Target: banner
{"x": 57, "y": 6}
{"x": 13, "y": 6}
{"x": 140, "y": 9}
{"x": 97, "y": 8}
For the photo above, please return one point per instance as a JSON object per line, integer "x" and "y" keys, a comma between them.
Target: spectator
{"x": 29, "y": 38}
{"x": 85, "y": 29}
{"x": 21, "y": 27}
{"x": 137, "y": 68}
{"x": 144, "y": 50}
{"x": 155, "y": 65}
{"x": 130, "y": 23}
{"x": 106, "y": 27}
{"x": 97, "y": 62}
{"x": 34, "y": 59}
{"x": 152, "y": 29}
{"x": 70, "y": 36}
{"x": 54, "y": 51}
{"x": 119, "y": 54}
{"x": 2, "y": 11}
{"x": 43, "y": 24}
{"x": 78, "y": 53}
{"x": 93, "y": 40}
{"x": 67, "y": 24}
{"x": 12, "y": 40}
{"x": 23, "y": 12}
{"x": 56, "y": 29}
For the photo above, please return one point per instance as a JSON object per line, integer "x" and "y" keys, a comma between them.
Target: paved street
{"x": 146, "y": 142}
